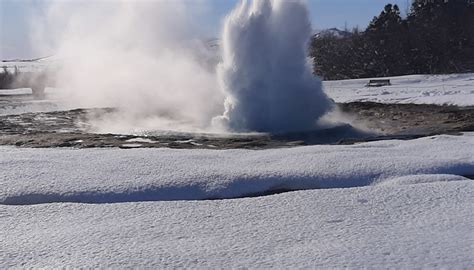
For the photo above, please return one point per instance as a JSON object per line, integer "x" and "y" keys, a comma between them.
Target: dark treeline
{"x": 437, "y": 36}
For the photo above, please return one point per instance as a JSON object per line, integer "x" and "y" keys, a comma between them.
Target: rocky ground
{"x": 411, "y": 119}
{"x": 387, "y": 121}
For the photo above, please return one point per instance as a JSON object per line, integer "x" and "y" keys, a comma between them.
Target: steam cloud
{"x": 147, "y": 59}
{"x": 265, "y": 72}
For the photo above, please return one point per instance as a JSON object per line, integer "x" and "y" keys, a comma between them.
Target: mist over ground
{"x": 144, "y": 58}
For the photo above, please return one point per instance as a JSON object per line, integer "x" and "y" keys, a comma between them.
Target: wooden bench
{"x": 378, "y": 83}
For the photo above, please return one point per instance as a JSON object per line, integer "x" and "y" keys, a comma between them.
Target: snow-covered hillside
{"x": 453, "y": 89}
{"x": 333, "y": 32}
{"x": 34, "y": 65}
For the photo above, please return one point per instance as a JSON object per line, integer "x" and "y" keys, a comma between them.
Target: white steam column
{"x": 265, "y": 72}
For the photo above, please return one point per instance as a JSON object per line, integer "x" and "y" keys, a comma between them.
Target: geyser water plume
{"x": 265, "y": 72}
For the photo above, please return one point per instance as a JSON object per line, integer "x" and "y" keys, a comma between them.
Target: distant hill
{"x": 334, "y": 32}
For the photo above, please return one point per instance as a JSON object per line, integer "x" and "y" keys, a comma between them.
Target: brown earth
{"x": 387, "y": 121}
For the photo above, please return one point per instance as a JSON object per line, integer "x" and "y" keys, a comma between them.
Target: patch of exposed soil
{"x": 399, "y": 121}
{"x": 410, "y": 119}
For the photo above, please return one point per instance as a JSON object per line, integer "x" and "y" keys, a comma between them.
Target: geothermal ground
{"x": 413, "y": 107}
{"x": 387, "y": 121}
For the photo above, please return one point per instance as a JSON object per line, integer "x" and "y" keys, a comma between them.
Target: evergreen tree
{"x": 441, "y": 33}
{"x": 387, "y": 35}
{"x": 436, "y": 37}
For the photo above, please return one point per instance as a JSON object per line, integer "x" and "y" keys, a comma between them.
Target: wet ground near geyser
{"x": 70, "y": 128}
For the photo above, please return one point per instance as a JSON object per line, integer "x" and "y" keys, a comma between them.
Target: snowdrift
{"x": 31, "y": 176}
{"x": 396, "y": 227}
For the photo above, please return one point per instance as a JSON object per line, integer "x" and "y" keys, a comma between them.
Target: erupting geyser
{"x": 146, "y": 59}
{"x": 265, "y": 72}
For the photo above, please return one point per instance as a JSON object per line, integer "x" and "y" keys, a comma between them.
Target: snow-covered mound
{"x": 29, "y": 176}
{"x": 453, "y": 89}
{"x": 18, "y": 101}
{"x": 33, "y": 65}
{"x": 425, "y": 226}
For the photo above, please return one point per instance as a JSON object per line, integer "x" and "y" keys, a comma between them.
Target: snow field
{"x": 452, "y": 89}
{"x": 426, "y": 225}
{"x": 30, "y": 176}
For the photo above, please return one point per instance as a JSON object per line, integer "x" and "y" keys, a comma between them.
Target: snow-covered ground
{"x": 18, "y": 101}
{"x": 387, "y": 204}
{"x": 30, "y": 176}
{"x": 425, "y": 226}
{"x": 452, "y": 89}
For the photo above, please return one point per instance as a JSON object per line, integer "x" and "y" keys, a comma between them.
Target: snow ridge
{"x": 31, "y": 176}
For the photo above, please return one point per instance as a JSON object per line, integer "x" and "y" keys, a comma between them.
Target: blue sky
{"x": 324, "y": 14}
{"x": 332, "y": 13}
